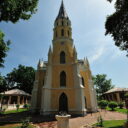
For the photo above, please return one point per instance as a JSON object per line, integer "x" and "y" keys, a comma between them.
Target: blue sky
{"x": 31, "y": 39}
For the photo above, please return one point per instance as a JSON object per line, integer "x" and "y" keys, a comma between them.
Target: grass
{"x": 113, "y": 124}
{"x": 15, "y": 111}
{"x": 118, "y": 110}
{"x": 14, "y": 126}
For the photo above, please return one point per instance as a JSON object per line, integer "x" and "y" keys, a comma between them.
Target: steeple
{"x": 62, "y": 12}
{"x": 62, "y": 26}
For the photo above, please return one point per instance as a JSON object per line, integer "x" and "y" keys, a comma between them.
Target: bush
{"x": 103, "y": 104}
{"x": 17, "y": 107}
{"x": 26, "y": 106}
{"x": 121, "y": 105}
{"x": 112, "y": 105}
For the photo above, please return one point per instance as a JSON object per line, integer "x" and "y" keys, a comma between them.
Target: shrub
{"x": 121, "y": 105}
{"x": 26, "y": 106}
{"x": 17, "y": 107}
{"x": 112, "y": 105}
{"x": 103, "y": 104}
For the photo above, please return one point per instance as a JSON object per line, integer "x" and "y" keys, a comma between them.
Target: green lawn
{"x": 114, "y": 124}
{"x": 15, "y": 111}
{"x": 118, "y": 110}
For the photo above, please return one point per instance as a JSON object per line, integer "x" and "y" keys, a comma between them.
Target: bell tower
{"x": 62, "y": 38}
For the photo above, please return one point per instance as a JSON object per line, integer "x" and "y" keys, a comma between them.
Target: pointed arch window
{"x": 62, "y": 79}
{"x": 62, "y": 58}
{"x": 62, "y": 32}
{"x": 83, "y": 81}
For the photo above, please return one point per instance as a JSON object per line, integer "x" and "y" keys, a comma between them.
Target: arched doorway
{"x": 63, "y": 103}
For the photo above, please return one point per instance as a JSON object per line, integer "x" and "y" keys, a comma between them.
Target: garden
{"x": 121, "y": 107}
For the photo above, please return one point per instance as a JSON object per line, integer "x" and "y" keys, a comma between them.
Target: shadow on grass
{"x": 117, "y": 127}
{"x": 19, "y": 117}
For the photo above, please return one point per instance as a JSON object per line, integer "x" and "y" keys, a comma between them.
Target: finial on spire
{"x": 62, "y": 11}
{"x": 86, "y": 62}
{"x": 62, "y": 2}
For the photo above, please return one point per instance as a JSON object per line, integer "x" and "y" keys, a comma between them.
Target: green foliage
{"x": 102, "y": 84}
{"x": 24, "y": 77}
{"x": 103, "y": 104}
{"x": 100, "y": 121}
{"x": 2, "y": 109}
{"x": 126, "y": 95}
{"x": 15, "y": 111}
{"x": 27, "y": 106}
{"x": 4, "y": 47}
{"x": 26, "y": 123}
{"x": 117, "y": 24}
{"x": 121, "y": 105}
{"x": 112, "y": 105}
{"x": 17, "y": 106}
{"x": 3, "y": 84}
{"x": 14, "y": 10}
{"x": 1, "y": 97}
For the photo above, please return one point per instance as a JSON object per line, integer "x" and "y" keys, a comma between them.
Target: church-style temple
{"x": 64, "y": 83}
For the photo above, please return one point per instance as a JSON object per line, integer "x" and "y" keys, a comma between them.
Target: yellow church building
{"x": 64, "y": 83}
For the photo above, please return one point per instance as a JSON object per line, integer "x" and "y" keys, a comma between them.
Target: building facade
{"x": 64, "y": 83}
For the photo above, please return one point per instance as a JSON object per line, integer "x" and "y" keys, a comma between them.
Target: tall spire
{"x": 62, "y": 11}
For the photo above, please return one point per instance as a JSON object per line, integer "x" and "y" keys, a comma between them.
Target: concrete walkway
{"x": 89, "y": 119}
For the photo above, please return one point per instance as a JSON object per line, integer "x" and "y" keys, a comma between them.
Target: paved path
{"x": 87, "y": 120}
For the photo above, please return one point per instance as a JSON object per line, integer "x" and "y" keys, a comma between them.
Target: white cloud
{"x": 97, "y": 54}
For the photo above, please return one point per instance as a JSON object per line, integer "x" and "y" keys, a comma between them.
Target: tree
{"x": 117, "y": 24}
{"x": 4, "y": 47}
{"x": 103, "y": 104}
{"x": 3, "y": 84}
{"x": 14, "y": 10}
{"x": 22, "y": 78}
{"x": 1, "y": 98}
{"x": 102, "y": 84}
